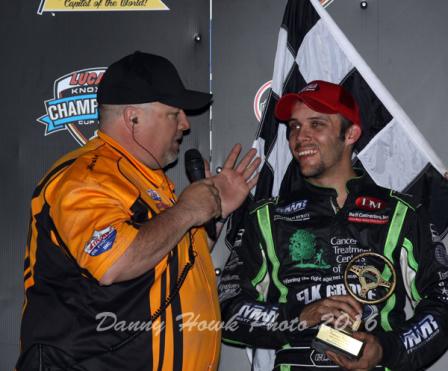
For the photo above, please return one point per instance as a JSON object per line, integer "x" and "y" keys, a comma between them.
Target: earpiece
{"x": 134, "y": 121}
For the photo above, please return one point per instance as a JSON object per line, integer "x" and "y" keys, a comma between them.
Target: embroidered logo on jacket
{"x": 420, "y": 333}
{"x": 360, "y": 217}
{"x": 302, "y": 249}
{"x": 154, "y": 195}
{"x": 370, "y": 203}
{"x": 101, "y": 241}
{"x": 158, "y": 200}
{"x": 292, "y": 208}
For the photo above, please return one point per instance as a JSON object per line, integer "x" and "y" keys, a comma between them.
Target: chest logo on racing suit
{"x": 302, "y": 249}
{"x": 292, "y": 208}
{"x": 369, "y": 218}
{"x": 370, "y": 203}
{"x": 158, "y": 200}
{"x": 154, "y": 195}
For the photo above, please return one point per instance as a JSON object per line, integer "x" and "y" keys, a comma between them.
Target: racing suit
{"x": 85, "y": 213}
{"x": 294, "y": 251}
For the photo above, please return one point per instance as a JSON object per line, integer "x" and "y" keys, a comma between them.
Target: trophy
{"x": 377, "y": 279}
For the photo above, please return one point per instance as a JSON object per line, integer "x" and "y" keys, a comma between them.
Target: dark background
{"x": 403, "y": 41}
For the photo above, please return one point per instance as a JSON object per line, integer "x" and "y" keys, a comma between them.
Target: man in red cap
{"x": 285, "y": 276}
{"x": 323, "y": 123}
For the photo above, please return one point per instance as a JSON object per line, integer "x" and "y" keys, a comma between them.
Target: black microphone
{"x": 194, "y": 166}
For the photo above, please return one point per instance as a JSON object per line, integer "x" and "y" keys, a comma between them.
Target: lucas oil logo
{"x": 74, "y": 107}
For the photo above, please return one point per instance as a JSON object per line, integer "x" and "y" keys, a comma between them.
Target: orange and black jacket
{"x": 85, "y": 213}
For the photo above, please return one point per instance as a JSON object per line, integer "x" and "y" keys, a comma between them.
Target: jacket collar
{"x": 353, "y": 184}
{"x": 157, "y": 177}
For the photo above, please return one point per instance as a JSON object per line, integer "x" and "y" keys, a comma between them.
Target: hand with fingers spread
{"x": 201, "y": 201}
{"x": 331, "y": 307}
{"x": 235, "y": 182}
{"x": 371, "y": 356}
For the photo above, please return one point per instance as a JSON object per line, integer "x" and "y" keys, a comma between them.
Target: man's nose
{"x": 183, "y": 123}
{"x": 304, "y": 134}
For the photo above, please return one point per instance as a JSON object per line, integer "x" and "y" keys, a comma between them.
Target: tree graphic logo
{"x": 302, "y": 249}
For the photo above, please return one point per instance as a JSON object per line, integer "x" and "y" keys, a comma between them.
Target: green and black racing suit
{"x": 293, "y": 251}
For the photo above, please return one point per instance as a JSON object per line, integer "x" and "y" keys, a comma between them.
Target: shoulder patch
{"x": 101, "y": 241}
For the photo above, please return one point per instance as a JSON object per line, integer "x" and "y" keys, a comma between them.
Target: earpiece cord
{"x": 174, "y": 292}
{"x": 183, "y": 275}
{"x": 154, "y": 158}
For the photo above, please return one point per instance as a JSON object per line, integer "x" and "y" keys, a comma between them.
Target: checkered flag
{"x": 391, "y": 149}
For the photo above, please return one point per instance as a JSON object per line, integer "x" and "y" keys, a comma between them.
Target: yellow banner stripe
{"x": 100, "y": 5}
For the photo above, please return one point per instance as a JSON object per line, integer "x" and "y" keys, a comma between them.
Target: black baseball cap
{"x": 144, "y": 78}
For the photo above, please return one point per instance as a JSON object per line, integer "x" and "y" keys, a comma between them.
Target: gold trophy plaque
{"x": 366, "y": 268}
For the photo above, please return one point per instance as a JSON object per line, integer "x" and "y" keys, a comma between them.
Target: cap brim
{"x": 283, "y": 109}
{"x": 189, "y": 100}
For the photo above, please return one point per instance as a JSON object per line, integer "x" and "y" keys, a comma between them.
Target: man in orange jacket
{"x": 116, "y": 265}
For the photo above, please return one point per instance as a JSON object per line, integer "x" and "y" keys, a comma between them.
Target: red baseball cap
{"x": 323, "y": 97}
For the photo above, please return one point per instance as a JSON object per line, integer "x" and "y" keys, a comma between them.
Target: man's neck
{"x": 336, "y": 180}
{"x": 126, "y": 141}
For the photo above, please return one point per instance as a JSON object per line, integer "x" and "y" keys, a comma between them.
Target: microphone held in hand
{"x": 194, "y": 166}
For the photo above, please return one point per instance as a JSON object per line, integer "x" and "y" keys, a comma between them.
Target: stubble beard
{"x": 321, "y": 168}
{"x": 313, "y": 172}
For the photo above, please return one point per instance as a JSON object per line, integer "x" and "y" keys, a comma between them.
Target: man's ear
{"x": 352, "y": 134}
{"x": 130, "y": 116}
